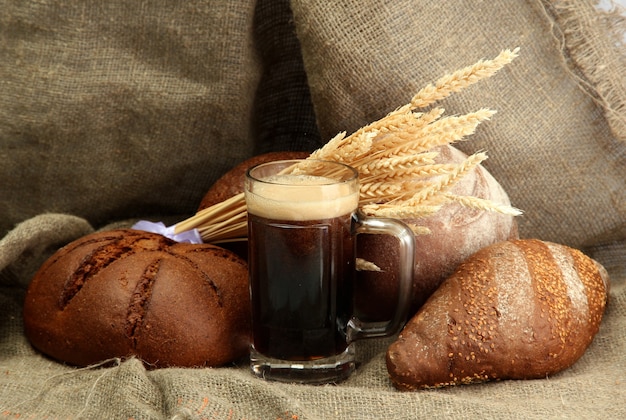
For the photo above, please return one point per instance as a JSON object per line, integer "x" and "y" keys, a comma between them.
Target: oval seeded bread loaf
{"x": 131, "y": 293}
{"x": 521, "y": 309}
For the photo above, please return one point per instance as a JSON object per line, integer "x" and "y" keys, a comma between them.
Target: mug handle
{"x": 358, "y": 329}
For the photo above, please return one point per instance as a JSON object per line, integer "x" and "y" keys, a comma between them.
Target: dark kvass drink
{"x": 301, "y": 306}
{"x": 302, "y": 225}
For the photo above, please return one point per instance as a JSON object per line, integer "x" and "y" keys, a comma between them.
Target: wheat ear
{"x": 395, "y": 159}
{"x": 459, "y": 80}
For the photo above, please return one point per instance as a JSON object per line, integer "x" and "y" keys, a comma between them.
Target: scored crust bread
{"x": 122, "y": 293}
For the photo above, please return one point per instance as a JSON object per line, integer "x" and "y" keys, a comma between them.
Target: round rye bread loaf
{"x": 122, "y": 293}
{"x": 522, "y": 309}
{"x": 456, "y": 233}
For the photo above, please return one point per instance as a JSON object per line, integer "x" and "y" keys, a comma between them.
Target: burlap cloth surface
{"x": 32, "y": 386}
{"x": 116, "y": 110}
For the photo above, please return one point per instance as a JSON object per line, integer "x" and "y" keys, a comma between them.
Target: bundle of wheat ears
{"x": 395, "y": 158}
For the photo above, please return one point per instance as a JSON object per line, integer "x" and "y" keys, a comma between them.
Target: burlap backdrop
{"x": 549, "y": 144}
{"x": 117, "y": 109}
{"x": 114, "y": 110}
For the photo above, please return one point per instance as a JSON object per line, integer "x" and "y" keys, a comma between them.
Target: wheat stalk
{"x": 385, "y": 166}
{"x": 459, "y": 80}
{"x": 482, "y": 204}
{"x": 396, "y": 161}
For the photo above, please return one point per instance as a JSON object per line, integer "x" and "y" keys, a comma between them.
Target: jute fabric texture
{"x": 32, "y": 386}
{"x": 113, "y": 111}
{"x": 549, "y": 144}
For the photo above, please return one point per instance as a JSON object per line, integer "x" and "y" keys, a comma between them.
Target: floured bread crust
{"x": 456, "y": 233}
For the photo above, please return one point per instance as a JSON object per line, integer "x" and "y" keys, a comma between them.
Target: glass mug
{"x": 302, "y": 227}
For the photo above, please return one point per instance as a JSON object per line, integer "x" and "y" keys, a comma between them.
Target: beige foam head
{"x": 301, "y": 197}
